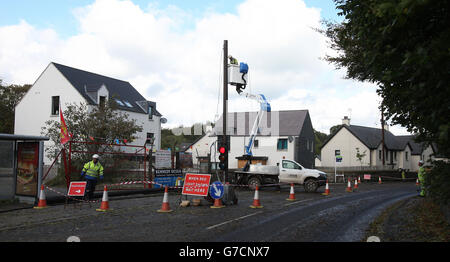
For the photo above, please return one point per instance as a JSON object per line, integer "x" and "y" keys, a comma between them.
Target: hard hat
{"x": 420, "y": 161}
{"x": 96, "y": 156}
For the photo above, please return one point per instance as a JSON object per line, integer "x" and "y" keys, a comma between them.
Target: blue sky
{"x": 170, "y": 51}
{"x": 58, "y": 14}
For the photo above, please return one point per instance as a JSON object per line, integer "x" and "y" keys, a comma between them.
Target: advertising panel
{"x": 27, "y": 168}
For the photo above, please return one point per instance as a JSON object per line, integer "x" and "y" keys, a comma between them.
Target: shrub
{"x": 437, "y": 182}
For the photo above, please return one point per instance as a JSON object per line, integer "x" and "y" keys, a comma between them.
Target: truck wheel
{"x": 311, "y": 185}
{"x": 253, "y": 182}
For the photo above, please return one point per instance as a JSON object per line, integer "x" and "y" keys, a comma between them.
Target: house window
{"x": 120, "y": 103}
{"x": 312, "y": 146}
{"x": 150, "y": 137}
{"x": 150, "y": 112}
{"x": 395, "y": 156}
{"x": 102, "y": 101}
{"x": 282, "y": 144}
{"x": 127, "y": 104}
{"x": 406, "y": 156}
{"x": 379, "y": 154}
{"x": 256, "y": 143}
{"x": 55, "y": 105}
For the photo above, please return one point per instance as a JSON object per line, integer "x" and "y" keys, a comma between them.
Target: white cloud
{"x": 179, "y": 65}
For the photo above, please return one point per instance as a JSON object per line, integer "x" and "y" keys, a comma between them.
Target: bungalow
{"x": 362, "y": 146}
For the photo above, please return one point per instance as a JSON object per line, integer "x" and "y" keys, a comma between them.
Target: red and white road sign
{"x": 367, "y": 177}
{"x": 196, "y": 184}
{"x": 77, "y": 189}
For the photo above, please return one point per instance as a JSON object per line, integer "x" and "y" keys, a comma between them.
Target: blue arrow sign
{"x": 216, "y": 190}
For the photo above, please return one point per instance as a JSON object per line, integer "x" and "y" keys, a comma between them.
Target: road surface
{"x": 341, "y": 216}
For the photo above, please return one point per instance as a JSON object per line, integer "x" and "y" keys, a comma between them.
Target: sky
{"x": 171, "y": 52}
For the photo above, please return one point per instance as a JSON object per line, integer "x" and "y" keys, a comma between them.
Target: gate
{"x": 121, "y": 163}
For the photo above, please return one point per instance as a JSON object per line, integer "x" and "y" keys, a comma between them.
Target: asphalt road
{"x": 341, "y": 216}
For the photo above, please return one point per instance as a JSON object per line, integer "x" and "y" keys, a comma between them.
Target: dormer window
{"x": 102, "y": 101}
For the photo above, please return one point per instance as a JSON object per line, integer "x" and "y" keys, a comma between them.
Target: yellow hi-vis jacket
{"x": 421, "y": 174}
{"x": 93, "y": 171}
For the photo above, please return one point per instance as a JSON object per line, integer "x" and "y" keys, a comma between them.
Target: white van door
{"x": 290, "y": 172}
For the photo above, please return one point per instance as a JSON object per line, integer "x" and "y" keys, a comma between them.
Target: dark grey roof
{"x": 241, "y": 123}
{"x": 371, "y": 137}
{"x": 87, "y": 82}
{"x": 416, "y": 148}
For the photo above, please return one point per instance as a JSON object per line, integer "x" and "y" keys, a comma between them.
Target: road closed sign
{"x": 77, "y": 189}
{"x": 196, "y": 184}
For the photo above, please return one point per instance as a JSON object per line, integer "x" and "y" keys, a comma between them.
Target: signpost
{"x": 337, "y": 154}
{"x": 217, "y": 190}
{"x": 76, "y": 189}
{"x": 196, "y": 184}
{"x": 163, "y": 159}
{"x": 167, "y": 177}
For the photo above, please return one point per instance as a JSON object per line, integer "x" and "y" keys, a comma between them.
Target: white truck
{"x": 288, "y": 172}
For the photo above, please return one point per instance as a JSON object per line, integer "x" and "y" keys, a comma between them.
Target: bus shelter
{"x": 21, "y": 166}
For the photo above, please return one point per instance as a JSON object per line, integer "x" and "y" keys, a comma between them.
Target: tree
{"x": 10, "y": 96}
{"x": 403, "y": 47}
{"x": 172, "y": 138}
{"x": 104, "y": 124}
{"x": 320, "y": 138}
{"x": 360, "y": 156}
{"x": 334, "y": 129}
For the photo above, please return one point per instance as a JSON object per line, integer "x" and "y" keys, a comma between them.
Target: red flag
{"x": 64, "y": 132}
{"x": 91, "y": 138}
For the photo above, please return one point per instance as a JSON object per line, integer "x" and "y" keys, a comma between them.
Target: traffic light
{"x": 222, "y": 157}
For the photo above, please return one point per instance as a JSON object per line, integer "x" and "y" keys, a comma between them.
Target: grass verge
{"x": 412, "y": 220}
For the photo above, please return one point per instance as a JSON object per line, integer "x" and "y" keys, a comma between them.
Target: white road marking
{"x": 236, "y": 219}
{"x": 296, "y": 202}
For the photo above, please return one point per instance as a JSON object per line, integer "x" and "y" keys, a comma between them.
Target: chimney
{"x": 346, "y": 121}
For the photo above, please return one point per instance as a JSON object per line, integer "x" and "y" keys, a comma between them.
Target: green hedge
{"x": 437, "y": 182}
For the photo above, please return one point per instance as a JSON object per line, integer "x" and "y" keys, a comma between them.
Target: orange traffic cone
{"x": 217, "y": 203}
{"x": 379, "y": 180}
{"x": 355, "y": 187}
{"x": 291, "y": 194}
{"x": 349, "y": 186}
{"x": 359, "y": 180}
{"x": 327, "y": 189}
{"x": 105, "y": 202}
{"x": 165, "y": 208}
{"x": 42, "y": 201}
{"x": 256, "y": 203}
{"x": 417, "y": 182}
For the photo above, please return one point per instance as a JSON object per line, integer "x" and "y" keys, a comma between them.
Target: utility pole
{"x": 225, "y": 105}
{"x": 382, "y": 132}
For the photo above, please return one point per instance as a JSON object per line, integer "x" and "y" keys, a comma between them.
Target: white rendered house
{"x": 60, "y": 85}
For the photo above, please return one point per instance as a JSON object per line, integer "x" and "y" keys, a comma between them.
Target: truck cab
{"x": 292, "y": 172}
{"x": 286, "y": 171}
